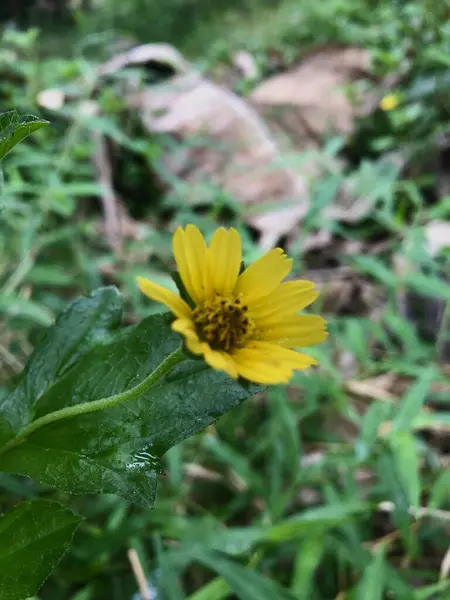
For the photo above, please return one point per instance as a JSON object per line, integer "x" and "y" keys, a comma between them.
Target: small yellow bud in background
{"x": 389, "y": 102}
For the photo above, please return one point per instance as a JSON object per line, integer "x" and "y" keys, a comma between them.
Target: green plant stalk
{"x": 443, "y": 336}
{"x": 218, "y": 588}
{"x": 85, "y": 408}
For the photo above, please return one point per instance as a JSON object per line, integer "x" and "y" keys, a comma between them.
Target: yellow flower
{"x": 389, "y": 102}
{"x": 244, "y": 324}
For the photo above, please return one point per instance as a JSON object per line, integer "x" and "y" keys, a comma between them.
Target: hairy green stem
{"x": 96, "y": 405}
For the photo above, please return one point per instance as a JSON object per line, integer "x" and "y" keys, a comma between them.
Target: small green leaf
{"x": 375, "y": 268}
{"x": 388, "y": 474}
{"x": 307, "y": 561}
{"x": 246, "y": 583}
{"x": 170, "y": 574}
{"x": 15, "y": 128}
{"x": 49, "y": 275}
{"x": 208, "y": 533}
{"x": 16, "y": 485}
{"x": 217, "y": 589}
{"x": 440, "y": 492}
{"x": 412, "y": 403}
{"x": 426, "y": 285}
{"x": 377, "y": 413}
{"x": 314, "y": 521}
{"x": 433, "y": 591}
{"x": 406, "y": 459}
{"x": 373, "y": 580}
{"x": 14, "y": 305}
{"x": 33, "y": 537}
{"x": 225, "y": 454}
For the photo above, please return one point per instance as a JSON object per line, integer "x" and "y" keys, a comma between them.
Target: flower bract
{"x": 246, "y": 324}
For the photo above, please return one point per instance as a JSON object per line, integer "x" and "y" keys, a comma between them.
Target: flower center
{"x": 223, "y": 323}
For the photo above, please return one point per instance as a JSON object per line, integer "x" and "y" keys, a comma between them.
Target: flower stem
{"x": 96, "y": 405}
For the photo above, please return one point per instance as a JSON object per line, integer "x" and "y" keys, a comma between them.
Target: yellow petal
{"x": 298, "y": 330}
{"x": 263, "y": 362}
{"x": 286, "y": 300}
{"x": 263, "y": 276}
{"x": 183, "y": 325}
{"x": 189, "y": 249}
{"x": 195, "y": 345}
{"x": 221, "y": 361}
{"x": 225, "y": 255}
{"x": 304, "y": 339}
{"x": 274, "y": 356}
{"x": 254, "y": 372}
{"x": 161, "y": 294}
{"x": 277, "y": 354}
{"x": 186, "y": 327}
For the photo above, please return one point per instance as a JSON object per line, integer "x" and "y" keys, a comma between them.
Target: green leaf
{"x": 170, "y": 576}
{"x": 406, "y": 459}
{"x": 16, "y": 485}
{"x": 389, "y": 477}
{"x": 15, "y": 128}
{"x": 225, "y": 454}
{"x": 440, "y": 492}
{"x": 426, "y": 285}
{"x": 14, "y": 305}
{"x": 412, "y": 403}
{"x": 375, "y": 416}
{"x": 116, "y": 450}
{"x": 375, "y": 268}
{"x": 307, "y": 561}
{"x": 208, "y": 533}
{"x": 33, "y": 537}
{"x": 85, "y": 321}
{"x": 246, "y": 583}
{"x": 373, "y": 581}
{"x": 49, "y": 275}
{"x": 431, "y": 592}
{"x": 314, "y": 521}
{"x": 217, "y": 589}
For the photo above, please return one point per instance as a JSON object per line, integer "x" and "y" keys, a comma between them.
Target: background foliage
{"x": 337, "y": 486}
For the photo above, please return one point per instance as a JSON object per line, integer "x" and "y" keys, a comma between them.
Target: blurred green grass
{"x": 336, "y": 487}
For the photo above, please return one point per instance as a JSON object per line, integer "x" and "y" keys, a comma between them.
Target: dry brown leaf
{"x": 157, "y": 53}
{"x": 234, "y": 150}
{"x": 312, "y": 99}
{"x": 110, "y": 202}
{"x": 375, "y": 388}
{"x": 227, "y": 145}
{"x": 445, "y": 565}
{"x": 145, "y": 592}
{"x": 196, "y": 471}
{"x": 316, "y": 241}
{"x": 315, "y": 90}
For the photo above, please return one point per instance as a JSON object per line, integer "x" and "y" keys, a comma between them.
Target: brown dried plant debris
{"x": 233, "y": 145}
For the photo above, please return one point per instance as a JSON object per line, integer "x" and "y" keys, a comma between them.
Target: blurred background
{"x": 321, "y": 127}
